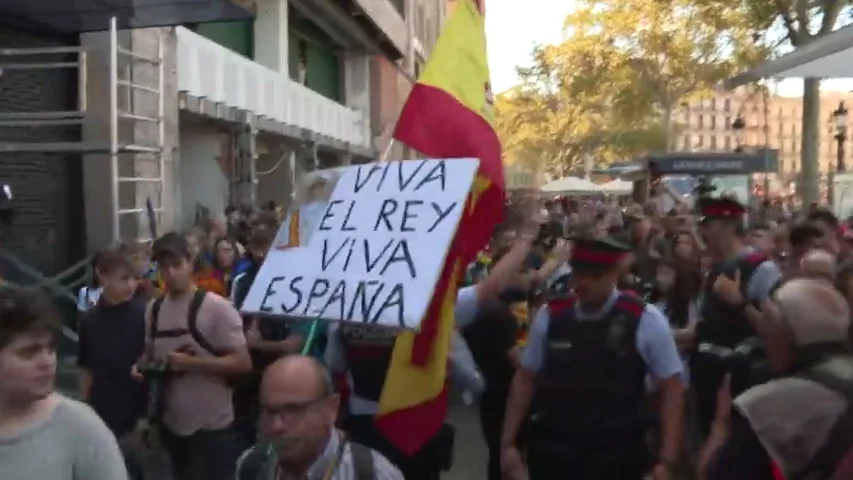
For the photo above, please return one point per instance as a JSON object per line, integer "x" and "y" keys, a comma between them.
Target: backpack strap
{"x": 839, "y": 443}
{"x": 630, "y": 303}
{"x": 362, "y": 461}
{"x": 747, "y": 266}
{"x": 255, "y": 463}
{"x": 152, "y": 327}
{"x": 192, "y": 323}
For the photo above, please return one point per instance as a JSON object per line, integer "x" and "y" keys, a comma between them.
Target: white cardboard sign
{"x": 377, "y": 252}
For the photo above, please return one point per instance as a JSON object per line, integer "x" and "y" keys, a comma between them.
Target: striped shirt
{"x": 345, "y": 470}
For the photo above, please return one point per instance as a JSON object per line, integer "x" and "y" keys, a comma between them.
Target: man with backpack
{"x": 798, "y": 426}
{"x": 299, "y": 409}
{"x": 194, "y": 345}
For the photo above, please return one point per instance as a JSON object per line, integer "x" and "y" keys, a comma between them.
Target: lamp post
{"x": 739, "y": 125}
{"x": 839, "y": 117}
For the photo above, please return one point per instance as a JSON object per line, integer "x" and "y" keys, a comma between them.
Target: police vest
{"x": 805, "y": 422}
{"x": 723, "y": 324}
{"x": 592, "y": 384}
{"x": 367, "y": 350}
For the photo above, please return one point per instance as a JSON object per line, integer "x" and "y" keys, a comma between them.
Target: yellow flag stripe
{"x": 458, "y": 63}
{"x": 418, "y": 384}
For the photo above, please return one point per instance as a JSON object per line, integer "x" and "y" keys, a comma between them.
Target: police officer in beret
{"x": 582, "y": 377}
{"x": 736, "y": 286}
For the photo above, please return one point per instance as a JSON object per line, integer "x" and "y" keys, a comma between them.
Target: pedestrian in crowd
{"x": 299, "y": 410}
{"x": 364, "y": 355}
{"x": 583, "y": 377}
{"x": 200, "y": 337}
{"x": 797, "y": 424}
{"x": 111, "y": 339}
{"x": 497, "y": 336}
{"x": 227, "y": 262}
{"x": 268, "y": 339}
{"x": 44, "y": 435}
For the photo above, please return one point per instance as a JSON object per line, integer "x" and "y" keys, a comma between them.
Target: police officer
{"x": 584, "y": 371}
{"x": 735, "y": 286}
{"x": 364, "y": 354}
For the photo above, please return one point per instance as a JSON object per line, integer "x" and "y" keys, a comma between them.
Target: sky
{"x": 512, "y": 32}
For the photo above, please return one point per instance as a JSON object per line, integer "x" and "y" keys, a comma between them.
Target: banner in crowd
{"x": 842, "y": 194}
{"x": 377, "y": 249}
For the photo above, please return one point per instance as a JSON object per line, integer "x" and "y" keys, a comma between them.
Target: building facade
{"x": 777, "y": 122}
{"x": 180, "y": 122}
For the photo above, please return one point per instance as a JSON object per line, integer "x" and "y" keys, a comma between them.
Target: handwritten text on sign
{"x": 378, "y": 249}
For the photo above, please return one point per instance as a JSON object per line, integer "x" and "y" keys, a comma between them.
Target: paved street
{"x": 470, "y": 455}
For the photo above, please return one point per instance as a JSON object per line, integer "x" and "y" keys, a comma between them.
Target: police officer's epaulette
{"x": 630, "y": 302}
{"x": 755, "y": 259}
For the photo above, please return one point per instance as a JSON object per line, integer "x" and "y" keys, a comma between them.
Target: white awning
{"x": 826, "y": 57}
{"x": 571, "y": 185}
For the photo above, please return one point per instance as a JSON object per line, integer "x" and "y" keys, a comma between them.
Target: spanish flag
{"x": 448, "y": 114}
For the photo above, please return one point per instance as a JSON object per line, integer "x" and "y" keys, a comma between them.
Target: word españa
{"x": 369, "y": 300}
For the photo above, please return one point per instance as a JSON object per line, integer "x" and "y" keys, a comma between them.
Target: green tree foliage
{"x": 611, "y": 87}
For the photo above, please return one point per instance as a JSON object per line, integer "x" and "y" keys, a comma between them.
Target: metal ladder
{"x": 147, "y": 202}
{"x": 126, "y": 180}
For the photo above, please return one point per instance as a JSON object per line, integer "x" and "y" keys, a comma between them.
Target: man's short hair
{"x": 800, "y": 235}
{"x": 824, "y": 216}
{"x": 261, "y": 238}
{"x": 170, "y": 245}
{"x": 113, "y": 259}
{"x": 24, "y": 312}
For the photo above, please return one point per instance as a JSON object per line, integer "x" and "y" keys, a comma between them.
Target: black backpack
{"x": 257, "y": 462}
{"x": 192, "y": 323}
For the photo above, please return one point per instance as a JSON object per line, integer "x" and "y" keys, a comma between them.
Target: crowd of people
{"x": 602, "y": 343}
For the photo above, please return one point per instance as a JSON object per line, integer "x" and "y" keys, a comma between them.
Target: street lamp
{"x": 739, "y": 125}
{"x": 839, "y": 116}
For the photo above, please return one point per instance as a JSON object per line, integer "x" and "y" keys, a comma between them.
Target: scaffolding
{"x": 147, "y": 189}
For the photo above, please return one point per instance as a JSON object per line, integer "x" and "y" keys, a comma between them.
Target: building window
{"x": 687, "y": 142}
{"x": 728, "y": 123}
{"x": 728, "y": 143}
{"x": 713, "y": 122}
{"x": 713, "y": 142}
{"x": 700, "y": 141}
{"x": 727, "y": 104}
{"x": 701, "y": 121}
{"x": 713, "y": 104}
{"x": 793, "y": 129}
{"x": 794, "y": 146}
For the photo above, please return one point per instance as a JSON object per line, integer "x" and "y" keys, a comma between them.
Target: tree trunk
{"x": 666, "y": 126}
{"x": 811, "y": 142}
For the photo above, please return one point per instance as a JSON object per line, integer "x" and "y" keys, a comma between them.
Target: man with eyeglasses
{"x": 299, "y": 408}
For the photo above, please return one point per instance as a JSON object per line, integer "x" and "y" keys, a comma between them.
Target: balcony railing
{"x": 209, "y": 70}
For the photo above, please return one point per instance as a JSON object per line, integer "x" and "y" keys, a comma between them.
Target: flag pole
{"x": 387, "y": 151}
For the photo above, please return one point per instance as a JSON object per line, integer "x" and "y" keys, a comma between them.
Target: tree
{"x": 666, "y": 52}
{"x": 611, "y": 87}
{"x": 801, "y": 22}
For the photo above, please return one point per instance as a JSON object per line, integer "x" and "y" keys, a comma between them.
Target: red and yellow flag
{"x": 448, "y": 114}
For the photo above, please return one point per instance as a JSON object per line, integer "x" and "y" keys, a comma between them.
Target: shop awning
{"x": 826, "y": 57}
{"x": 77, "y": 16}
